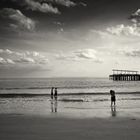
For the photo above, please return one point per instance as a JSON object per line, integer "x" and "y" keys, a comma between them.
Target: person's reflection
{"x": 54, "y": 105}
{"x": 113, "y": 111}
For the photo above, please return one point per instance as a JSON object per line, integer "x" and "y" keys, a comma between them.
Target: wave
{"x": 94, "y": 100}
{"x": 59, "y": 87}
{"x": 65, "y": 94}
{"x": 19, "y": 88}
{"x": 14, "y": 95}
{"x": 72, "y": 100}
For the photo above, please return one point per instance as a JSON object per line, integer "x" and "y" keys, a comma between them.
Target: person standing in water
{"x": 113, "y": 97}
{"x": 54, "y": 99}
{"x": 52, "y": 92}
{"x": 55, "y": 92}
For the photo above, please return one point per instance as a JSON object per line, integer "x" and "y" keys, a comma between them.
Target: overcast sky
{"x": 68, "y": 38}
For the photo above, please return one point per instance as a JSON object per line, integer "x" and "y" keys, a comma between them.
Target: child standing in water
{"x": 113, "y": 97}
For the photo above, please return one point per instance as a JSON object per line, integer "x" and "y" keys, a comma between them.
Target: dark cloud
{"x": 82, "y": 3}
{"x": 42, "y": 7}
{"x": 67, "y": 3}
{"x": 135, "y": 17}
{"x": 45, "y": 6}
{"x": 18, "y": 19}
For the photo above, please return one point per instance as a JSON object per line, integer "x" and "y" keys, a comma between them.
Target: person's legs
{"x": 114, "y": 103}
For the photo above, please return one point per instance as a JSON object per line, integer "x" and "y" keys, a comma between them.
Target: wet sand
{"x": 21, "y": 127}
{"x": 65, "y": 119}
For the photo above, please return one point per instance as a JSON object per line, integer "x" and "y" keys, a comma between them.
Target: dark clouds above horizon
{"x": 69, "y": 13}
{"x": 59, "y": 15}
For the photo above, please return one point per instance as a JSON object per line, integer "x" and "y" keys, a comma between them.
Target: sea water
{"x": 81, "y": 97}
{"x": 66, "y": 85}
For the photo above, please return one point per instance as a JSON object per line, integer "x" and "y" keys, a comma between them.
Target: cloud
{"x": 19, "y": 20}
{"x": 6, "y": 61}
{"x": 66, "y": 57}
{"x": 83, "y": 4}
{"x": 67, "y": 3}
{"x": 25, "y": 60}
{"x": 135, "y": 17}
{"x": 38, "y": 5}
{"x": 131, "y": 53}
{"x": 86, "y": 53}
{"x": 124, "y": 30}
{"x": 26, "y": 57}
{"x": 23, "y": 63}
{"x": 133, "y": 30}
{"x": 58, "y": 23}
{"x": 83, "y": 54}
{"x": 7, "y": 51}
{"x": 46, "y": 6}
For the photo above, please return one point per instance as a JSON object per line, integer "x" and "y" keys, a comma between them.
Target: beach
{"x": 41, "y": 118}
{"x": 19, "y": 127}
{"x": 28, "y": 112}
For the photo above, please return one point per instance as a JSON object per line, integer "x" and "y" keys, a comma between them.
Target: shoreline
{"x": 4, "y": 95}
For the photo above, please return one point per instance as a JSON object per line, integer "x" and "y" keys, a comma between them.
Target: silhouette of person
{"x": 55, "y": 93}
{"x": 113, "y": 111}
{"x": 52, "y": 92}
{"x": 113, "y": 97}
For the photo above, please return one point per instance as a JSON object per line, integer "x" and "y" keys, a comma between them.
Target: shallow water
{"x": 77, "y": 97}
{"x": 80, "y": 106}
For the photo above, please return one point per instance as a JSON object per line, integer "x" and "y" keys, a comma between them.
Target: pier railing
{"x": 124, "y": 75}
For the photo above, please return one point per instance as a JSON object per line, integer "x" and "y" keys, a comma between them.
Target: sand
{"x": 37, "y": 119}
{"x": 21, "y": 127}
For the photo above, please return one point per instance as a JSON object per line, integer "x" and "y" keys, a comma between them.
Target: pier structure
{"x": 124, "y": 75}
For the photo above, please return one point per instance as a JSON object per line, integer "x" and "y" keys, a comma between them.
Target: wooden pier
{"x": 124, "y": 75}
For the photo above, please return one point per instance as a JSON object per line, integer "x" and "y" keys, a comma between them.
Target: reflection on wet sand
{"x": 113, "y": 111}
{"x": 54, "y": 105}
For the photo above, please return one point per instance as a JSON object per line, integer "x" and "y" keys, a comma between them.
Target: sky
{"x": 68, "y": 38}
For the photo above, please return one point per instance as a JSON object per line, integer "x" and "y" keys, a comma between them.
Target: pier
{"x": 124, "y": 75}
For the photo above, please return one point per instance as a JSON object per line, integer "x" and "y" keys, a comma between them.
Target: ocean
{"x": 66, "y": 85}
{"x": 79, "y": 97}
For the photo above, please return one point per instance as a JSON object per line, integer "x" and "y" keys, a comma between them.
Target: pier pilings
{"x": 124, "y": 75}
